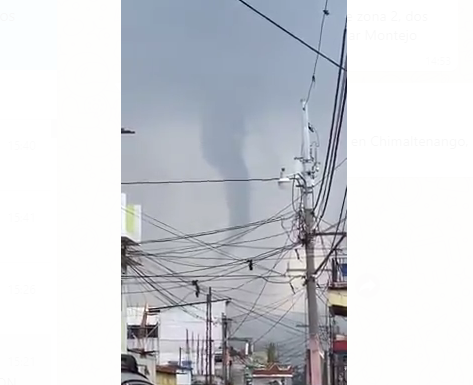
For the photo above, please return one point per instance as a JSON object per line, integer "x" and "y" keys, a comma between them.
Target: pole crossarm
{"x": 330, "y": 234}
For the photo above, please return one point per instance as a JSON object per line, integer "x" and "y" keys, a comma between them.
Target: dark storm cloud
{"x": 204, "y": 83}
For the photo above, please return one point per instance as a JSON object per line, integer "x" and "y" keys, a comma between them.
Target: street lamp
{"x": 126, "y": 131}
{"x": 285, "y": 179}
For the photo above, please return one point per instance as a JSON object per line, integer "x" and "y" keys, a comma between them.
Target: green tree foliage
{"x": 272, "y": 353}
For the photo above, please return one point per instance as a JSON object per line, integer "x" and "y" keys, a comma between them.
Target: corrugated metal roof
{"x": 165, "y": 369}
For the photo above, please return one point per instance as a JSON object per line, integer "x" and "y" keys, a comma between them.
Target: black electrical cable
{"x": 321, "y": 33}
{"x": 330, "y": 145}
{"x": 210, "y": 246}
{"x": 181, "y": 251}
{"x": 328, "y": 186}
{"x": 291, "y": 34}
{"x": 277, "y": 322}
{"x": 266, "y": 318}
{"x": 173, "y": 302}
{"x": 196, "y": 181}
{"x": 259, "y": 295}
{"x": 217, "y": 231}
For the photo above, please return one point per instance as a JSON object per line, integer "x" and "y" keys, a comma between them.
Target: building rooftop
{"x": 166, "y": 369}
{"x": 340, "y": 346}
{"x": 274, "y": 370}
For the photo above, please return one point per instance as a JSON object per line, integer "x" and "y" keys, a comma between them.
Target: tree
{"x": 272, "y": 353}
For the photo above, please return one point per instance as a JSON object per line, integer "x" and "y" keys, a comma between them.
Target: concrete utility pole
{"x": 208, "y": 371}
{"x": 224, "y": 349}
{"x": 210, "y": 338}
{"x": 308, "y": 168}
{"x": 306, "y": 182}
{"x": 124, "y": 263}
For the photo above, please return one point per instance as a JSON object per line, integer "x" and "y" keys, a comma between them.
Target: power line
{"x": 197, "y": 181}
{"x": 274, "y": 218}
{"x": 209, "y": 245}
{"x": 327, "y": 257}
{"x": 291, "y": 34}
{"x": 180, "y": 233}
{"x": 328, "y": 186}
{"x": 334, "y": 138}
{"x": 241, "y": 244}
{"x": 260, "y": 293}
{"x": 180, "y": 252}
{"x": 270, "y": 308}
{"x": 240, "y": 264}
{"x": 173, "y": 302}
{"x": 266, "y": 316}
{"x": 160, "y": 288}
{"x": 322, "y": 25}
{"x": 278, "y": 322}
{"x": 228, "y": 274}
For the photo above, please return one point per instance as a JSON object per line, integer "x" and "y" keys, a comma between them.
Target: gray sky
{"x": 196, "y": 73}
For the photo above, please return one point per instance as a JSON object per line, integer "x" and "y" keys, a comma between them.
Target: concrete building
{"x": 143, "y": 349}
{"x": 337, "y": 298}
{"x": 181, "y": 334}
{"x": 173, "y": 375}
{"x": 130, "y": 235}
{"x": 175, "y": 336}
{"x": 183, "y": 376}
{"x": 337, "y": 291}
{"x": 237, "y": 370}
{"x": 165, "y": 375}
{"x": 150, "y": 343}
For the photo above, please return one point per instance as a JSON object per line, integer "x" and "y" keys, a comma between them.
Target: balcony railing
{"x": 339, "y": 271}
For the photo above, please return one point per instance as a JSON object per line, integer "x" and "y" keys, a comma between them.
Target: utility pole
{"x": 229, "y": 351}
{"x": 125, "y": 260}
{"x": 208, "y": 371}
{"x": 202, "y": 353}
{"x": 124, "y": 263}
{"x": 224, "y": 349}
{"x": 188, "y": 353}
{"x": 308, "y": 170}
{"x": 306, "y": 182}
{"x": 210, "y": 337}
{"x": 197, "y": 364}
{"x": 207, "y": 343}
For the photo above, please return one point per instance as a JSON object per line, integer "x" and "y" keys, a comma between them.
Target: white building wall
{"x": 267, "y": 380}
{"x": 184, "y": 378}
{"x": 172, "y": 332}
